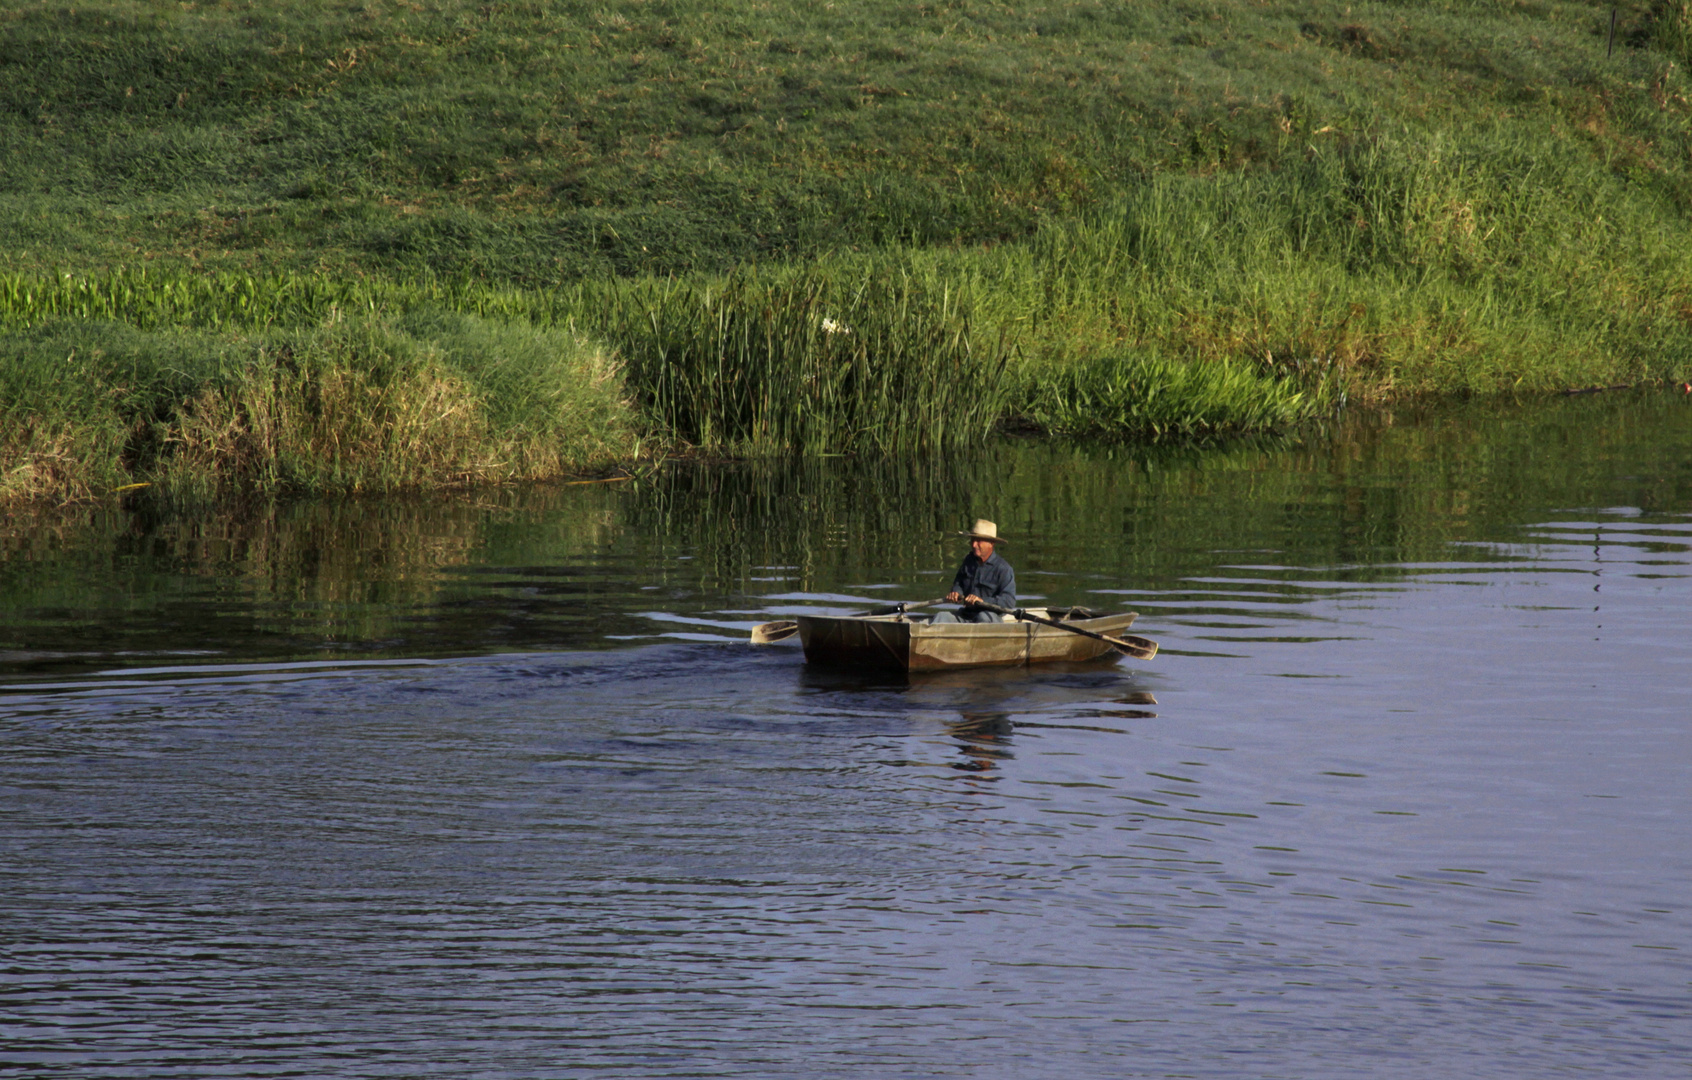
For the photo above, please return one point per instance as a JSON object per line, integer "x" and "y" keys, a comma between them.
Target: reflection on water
{"x": 983, "y": 739}
{"x": 492, "y": 785}
{"x": 705, "y": 550}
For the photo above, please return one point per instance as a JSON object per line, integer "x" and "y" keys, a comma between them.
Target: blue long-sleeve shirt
{"x": 993, "y": 581}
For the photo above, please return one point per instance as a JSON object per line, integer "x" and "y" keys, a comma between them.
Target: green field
{"x": 466, "y": 242}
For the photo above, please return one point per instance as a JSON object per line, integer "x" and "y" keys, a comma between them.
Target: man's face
{"x": 983, "y": 549}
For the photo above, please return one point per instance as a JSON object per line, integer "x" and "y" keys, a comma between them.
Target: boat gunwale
{"x": 924, "y": 627}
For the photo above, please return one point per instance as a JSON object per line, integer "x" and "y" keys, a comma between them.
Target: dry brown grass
{"x": 349, "y": 406}
{"x": 43, "y": 460}
{"x": 425, "y": 428}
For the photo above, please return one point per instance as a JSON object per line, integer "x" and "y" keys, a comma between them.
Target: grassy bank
{"x": 541, "y": 141}
{"x": 379, "y": 247}
{"x": 351, "y": 403}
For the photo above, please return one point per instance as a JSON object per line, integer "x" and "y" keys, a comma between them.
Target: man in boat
{"x": 984, "y": 578}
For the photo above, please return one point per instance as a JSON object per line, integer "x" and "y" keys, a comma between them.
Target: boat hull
{"x": 897, "y": 642}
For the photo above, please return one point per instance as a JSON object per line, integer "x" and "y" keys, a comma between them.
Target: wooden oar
{"x": 781, "y": 629}
{"x": 1140, "y": 648}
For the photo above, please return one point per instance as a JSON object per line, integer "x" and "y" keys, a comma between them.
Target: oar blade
{"x": 771, "y": 632}
{"x": 1140, "y": 648}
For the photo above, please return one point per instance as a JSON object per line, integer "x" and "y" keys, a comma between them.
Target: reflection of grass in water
{"x": 1361, "y": 495}
{"x": 265, "y": 579}
{"x": 384, "y": 575}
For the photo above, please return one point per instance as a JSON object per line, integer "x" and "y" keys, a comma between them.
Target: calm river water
{"x": 491, "y": 786}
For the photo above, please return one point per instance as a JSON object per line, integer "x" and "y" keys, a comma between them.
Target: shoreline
{"x": 183, "y": 487}
{"x": 315, "y": 249}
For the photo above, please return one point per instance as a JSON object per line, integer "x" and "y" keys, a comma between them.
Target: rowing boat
{"x": 913, "y": 643}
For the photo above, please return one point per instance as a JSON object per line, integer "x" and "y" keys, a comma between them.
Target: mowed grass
{"x": 857, "y": 226}
{"x": 536, "y": 142}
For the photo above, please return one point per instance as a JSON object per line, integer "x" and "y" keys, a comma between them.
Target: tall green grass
{"x": 1372, "y": 268}
{"x": 348, "y": 404}
{"x": 782, "y": 359}
{"x": 1152, "y": 398}
{"x": 811, "y": 361}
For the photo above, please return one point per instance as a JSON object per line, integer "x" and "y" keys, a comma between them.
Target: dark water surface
{"x": 490, "y": 786}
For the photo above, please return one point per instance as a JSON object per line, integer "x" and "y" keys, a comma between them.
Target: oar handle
{"x": 1138, "y": 647}
{"x": 901, "y": 608}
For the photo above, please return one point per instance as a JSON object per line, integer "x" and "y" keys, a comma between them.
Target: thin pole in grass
{"x": 1611, "y": 51}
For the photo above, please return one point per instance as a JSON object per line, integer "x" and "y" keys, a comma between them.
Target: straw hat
{"x": 984, "y": 530}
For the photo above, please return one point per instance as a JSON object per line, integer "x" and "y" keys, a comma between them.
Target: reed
{"x": 779, "y": 358}
{"x": 807, "y": 360}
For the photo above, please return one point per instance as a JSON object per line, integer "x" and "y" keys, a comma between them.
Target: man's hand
{"x": 953, "y": 597}
{"x": 972, "y": 599}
